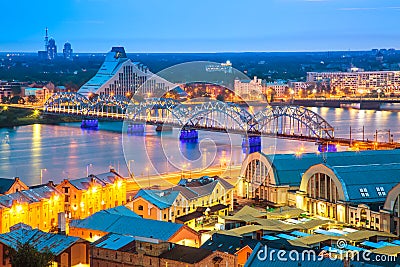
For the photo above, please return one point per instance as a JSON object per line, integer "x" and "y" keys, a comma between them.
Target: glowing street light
{"x": 129, "y": 167}
{"x": 379, "y": 93}
{"x": 148, "y": 175}
{"x": 87, "y": 168}
{"x": 41, "y": 175}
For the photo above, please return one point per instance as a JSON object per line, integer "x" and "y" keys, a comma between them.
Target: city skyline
{"x": 178, "y": 26}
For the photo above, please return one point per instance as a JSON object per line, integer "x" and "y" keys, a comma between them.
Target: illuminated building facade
{"x": 118, "y": 75}
{"x": 9, "y": 186}
{"x": 349, "y": 194}
{"x": 169, "y": 204}
{"x": 87, "y": 195}
{"x": 279, "y": 88}
{"x": 38, "y": 207}
{"x": 273, "y": 177}
{"x": 249, "y": 89}
{"x": 359, "y": 81}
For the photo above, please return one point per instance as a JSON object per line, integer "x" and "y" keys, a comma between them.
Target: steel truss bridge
{"x": 283, "y": 121}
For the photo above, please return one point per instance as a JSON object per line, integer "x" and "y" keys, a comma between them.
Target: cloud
{"x": 357, "y": 8}
{"x": 368, "y": 8}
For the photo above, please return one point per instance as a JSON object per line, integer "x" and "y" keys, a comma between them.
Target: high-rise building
{"x": 67, "y": 51}
{"x": 359, "y": 81}
{"x": 52, "y": 49}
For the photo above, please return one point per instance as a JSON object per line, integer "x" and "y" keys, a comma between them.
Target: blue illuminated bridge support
{"x": 189, "y": 135}
{"x": 251, "y": 143}
{"x": 135, "y": 128}
{"x": 92, "y": 124}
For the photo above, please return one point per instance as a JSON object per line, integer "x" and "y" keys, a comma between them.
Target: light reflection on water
{"x": 65, "y": 150}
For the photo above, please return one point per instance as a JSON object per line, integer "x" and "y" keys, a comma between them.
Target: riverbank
{"x": 11, "y": 117}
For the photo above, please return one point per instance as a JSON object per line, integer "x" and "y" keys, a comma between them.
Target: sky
{"x": 202, "y": 25}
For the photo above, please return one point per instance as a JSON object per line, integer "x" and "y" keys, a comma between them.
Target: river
{"x": 67, "y": 151}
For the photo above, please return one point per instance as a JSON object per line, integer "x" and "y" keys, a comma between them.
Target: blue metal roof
{"x": 56, "y": 243}
{"x": 324, "y": 232}
{"x": 353, "y": 248}
{"x": 372, "y": 244}
{"x": 365, "y": 177}
{"x": 120, "y": 210}
{"x": 285, "y": 236}
{"x": 269, "y": 237}
{"x": 301, "y": 234}
{"x": 288, "y": 168}
{"x": 114, "y": 241}
{"x": 161, "y": 198}
{"x": 128, "y": 225}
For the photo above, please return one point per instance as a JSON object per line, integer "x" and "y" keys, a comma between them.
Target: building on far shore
{"x": 359, "y": 82}
{"x": 250, "y": 89}
{"x": 118, "y": 75}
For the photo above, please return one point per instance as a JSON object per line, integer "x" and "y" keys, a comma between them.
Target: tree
{"x": 26, "y": 255}
{"x": 15, "y": 99}
{"x": 5, "y": 99}
{"x": 16, "y": 90}
{"x": 32, "y": 99}
{"x": 221, "y": 98}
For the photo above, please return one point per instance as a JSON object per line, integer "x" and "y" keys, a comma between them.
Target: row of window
{"x": 379, "y": 189}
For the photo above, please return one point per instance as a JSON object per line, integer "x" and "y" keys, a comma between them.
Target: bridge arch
{"x": 108, "y": 104}
{"x": 229, "y": 115}
{"x": 68, "y": 102}
{"x": 292, "y": 120}
{"x": 160, "y": 108}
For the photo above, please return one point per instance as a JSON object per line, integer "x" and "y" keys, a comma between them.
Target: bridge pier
{"x": 135, "y": 128}
{"x": 190, "y": 135}
{"x": 90, "y": 124}
{"x": 251, "y": 144}
{"x": 163, "y": 128}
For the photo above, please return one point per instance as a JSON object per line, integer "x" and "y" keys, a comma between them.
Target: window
{"x": 140, "y": 207}
{"x": 377, "y": 220}
{"x": 364, "y": 192}
{"x": 381, "y": 191}
{"x": 165, "y": 216}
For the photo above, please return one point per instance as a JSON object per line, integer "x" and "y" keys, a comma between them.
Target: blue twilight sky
{"x": 202, "y": 25}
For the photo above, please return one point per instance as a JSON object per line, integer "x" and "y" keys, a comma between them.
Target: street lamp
{"x": 87, "y": 169}
{"x": 148, "y": 175}
{"x": 183, "y": 168}
{"x": 41, "y": 175}
{"x": 129, "y": 167}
